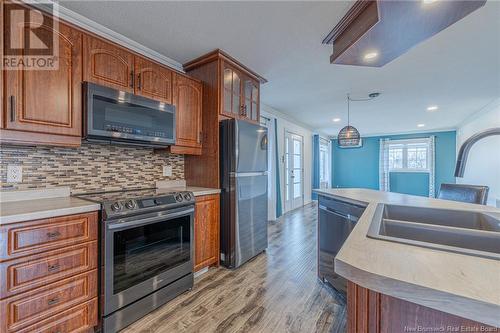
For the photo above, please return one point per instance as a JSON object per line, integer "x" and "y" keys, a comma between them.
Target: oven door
{"x": 117, "y": 116}
{"x": 146, "y": 253}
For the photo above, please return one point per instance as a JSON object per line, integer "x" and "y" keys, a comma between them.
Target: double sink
{"x": 465, "y": 232}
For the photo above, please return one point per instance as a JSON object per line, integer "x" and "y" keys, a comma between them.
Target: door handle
{"x": 12, "y": 108}
{"x": 139, "y": 81}
{"x": 131, "y": 79}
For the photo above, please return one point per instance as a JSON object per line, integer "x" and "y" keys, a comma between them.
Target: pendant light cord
{"x": 348, "y": 111}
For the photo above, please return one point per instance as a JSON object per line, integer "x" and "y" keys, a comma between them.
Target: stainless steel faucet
{"x": 463, "y": 153}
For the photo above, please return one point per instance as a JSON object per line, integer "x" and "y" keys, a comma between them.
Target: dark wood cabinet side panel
{"x": 203, "y": 170}
{"x": 372, "y": 312}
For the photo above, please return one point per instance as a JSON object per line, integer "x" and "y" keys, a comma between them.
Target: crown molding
{"x": 100, "y": 30}
{"x": 492, "y": 105}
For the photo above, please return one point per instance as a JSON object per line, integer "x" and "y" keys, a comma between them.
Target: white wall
{"x": 483, "y": 164}
{"x": 287, "y": 124}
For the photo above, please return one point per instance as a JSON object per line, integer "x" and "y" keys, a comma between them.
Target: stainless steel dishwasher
{"x": 336, "y": 219}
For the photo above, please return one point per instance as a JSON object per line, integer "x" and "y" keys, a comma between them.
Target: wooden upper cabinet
{"x": 240, "y": 94}
{"x": 47, "y": 101}
{"x": 206, "y": 231}
{"x": 250, "y": 100}
{"x": 107, "y": 64}
{"x": 153, "y": 81}
{"x": 187, "y": 100}
{"x": 231, "y": 91}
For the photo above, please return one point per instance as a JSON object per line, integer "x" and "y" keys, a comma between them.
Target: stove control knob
{"x": 130, "y": 204}
{"x": 115, "y": 207}
{"x": 187, "y": 196}
{"x": 178, "y": 197}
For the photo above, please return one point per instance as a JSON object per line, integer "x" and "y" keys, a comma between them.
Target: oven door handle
{"x": 149, "y": 220}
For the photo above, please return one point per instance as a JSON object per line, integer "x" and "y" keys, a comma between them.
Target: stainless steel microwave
{"x": 115, "y": 116}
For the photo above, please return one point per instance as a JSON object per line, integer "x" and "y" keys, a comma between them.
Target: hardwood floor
{"x": 278, "y": 291}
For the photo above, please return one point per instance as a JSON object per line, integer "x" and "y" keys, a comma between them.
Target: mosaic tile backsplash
{"x": 91, "y": 167}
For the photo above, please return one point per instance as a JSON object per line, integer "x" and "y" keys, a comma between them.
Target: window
{"x": 409, "y": 155}
{"x": 324, "y": 163}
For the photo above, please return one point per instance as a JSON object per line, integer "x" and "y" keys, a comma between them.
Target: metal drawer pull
{"x": 53, "y": 268}
{"x": 53, "y": 301}
{"x": 54, "y": 234}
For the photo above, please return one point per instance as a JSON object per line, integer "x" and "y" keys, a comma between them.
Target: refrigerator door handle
{"x": 247, "y": 174}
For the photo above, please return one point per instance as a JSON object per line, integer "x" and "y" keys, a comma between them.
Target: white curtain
{"x": 384, "y": 184}
{"x": 432, "y": 166}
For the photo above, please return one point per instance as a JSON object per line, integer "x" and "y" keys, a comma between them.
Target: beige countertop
{"x": 466, "y": 286}
{"x": 180, "y": 185}
{"x": 34, "y": 209}
{"x": 197, "y": 191}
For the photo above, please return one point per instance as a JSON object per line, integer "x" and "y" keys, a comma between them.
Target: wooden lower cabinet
{"x": 81, "y": 318}
{"x": 29, "y": 308}
{"x": 48, "y": 275}
{"x": 206, "y": 231}
{"x": 372, "y": 312}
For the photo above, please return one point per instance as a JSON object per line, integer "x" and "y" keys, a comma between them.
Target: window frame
{"x": 324, "y": 146}
{"x": 405, "y": 144}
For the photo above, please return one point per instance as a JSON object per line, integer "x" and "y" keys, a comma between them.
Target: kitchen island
{"x": 396, "y": 287}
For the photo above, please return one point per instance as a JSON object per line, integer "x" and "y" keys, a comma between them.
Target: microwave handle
{"x": 120, "y": 225}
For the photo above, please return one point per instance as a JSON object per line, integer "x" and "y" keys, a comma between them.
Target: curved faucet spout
{"x": 463, "y": 153}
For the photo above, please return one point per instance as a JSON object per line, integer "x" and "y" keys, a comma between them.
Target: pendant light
{"x": 349, "y": 136}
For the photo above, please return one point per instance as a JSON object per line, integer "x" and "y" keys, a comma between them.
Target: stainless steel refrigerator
{"x": 243, "y": 168}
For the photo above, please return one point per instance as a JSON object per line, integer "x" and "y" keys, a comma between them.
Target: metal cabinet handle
{"x": 53, "y": 301}
{"x": 139, "y": 81}
{"x": 199, "y": 136}
{"x": 131, "y": 79}
{"x": 54, "y": 234}
{"x": 12, "y": 108}
{"x": 53, "y": 268}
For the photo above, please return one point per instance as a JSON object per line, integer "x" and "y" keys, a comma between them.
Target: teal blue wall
{"x": 358, "y": 167}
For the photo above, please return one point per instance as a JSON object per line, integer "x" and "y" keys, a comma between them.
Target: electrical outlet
{"x": 14, "y": 173}
{"x": 167, "y": 171}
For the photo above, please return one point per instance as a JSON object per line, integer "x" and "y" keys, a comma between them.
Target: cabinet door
{"x": 48, "y": 101}
{"x": 251, "y": 99}
{"x": 231, "y": 92}
{"x": 153, "y": 81}
{"x": 107, "y": 64}
{"x": 206, "y": 231}
{"x": 187, "y": 99}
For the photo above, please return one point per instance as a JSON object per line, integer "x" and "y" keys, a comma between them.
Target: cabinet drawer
{"x": 29, "y": 308}
{"x": 26, "y": 273}
{"x": 48, "y": 234}
{"x": 81, "y": 318}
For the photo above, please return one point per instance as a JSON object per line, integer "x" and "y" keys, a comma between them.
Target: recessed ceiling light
{"x": 420, "y": 125}
{"x": 336, "y": 120}
{"x": 432, "y": 108}
{"x": 426, "y": 2}
{"x": 370, "y": 55}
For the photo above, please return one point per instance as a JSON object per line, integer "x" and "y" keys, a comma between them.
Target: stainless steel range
{"x": 146, "y": 251}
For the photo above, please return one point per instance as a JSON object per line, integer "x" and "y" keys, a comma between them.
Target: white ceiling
{"x": 458, "y": 69}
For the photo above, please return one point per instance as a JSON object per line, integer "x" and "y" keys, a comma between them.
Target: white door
{"x": 294, "y": 171}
